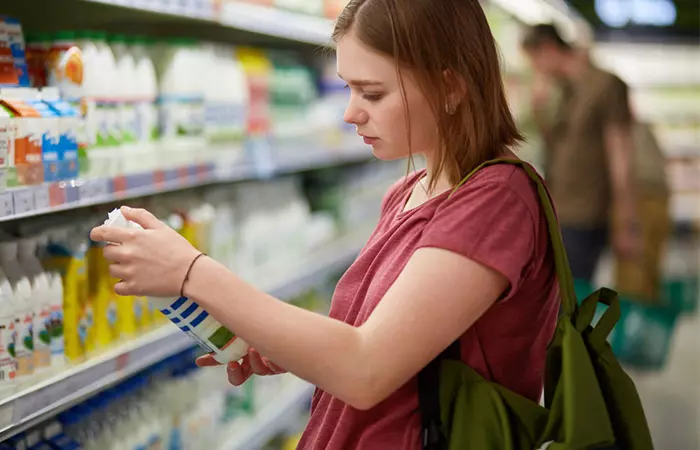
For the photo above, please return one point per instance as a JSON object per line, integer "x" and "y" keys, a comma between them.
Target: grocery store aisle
{"x": 671, "y": 397}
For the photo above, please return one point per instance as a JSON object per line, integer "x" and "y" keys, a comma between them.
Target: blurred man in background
{"x": 589, "y": 144}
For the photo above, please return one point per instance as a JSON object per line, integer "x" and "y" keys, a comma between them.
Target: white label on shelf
{"x": 100, "y": 188}
{"x": 41, "y": 197}
{"x": 6, "y": 205}
{"x": 23, "y": 200}
{"x": 86, "y": 191}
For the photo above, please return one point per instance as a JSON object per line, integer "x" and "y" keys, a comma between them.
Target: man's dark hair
{"x": 537, "y": 35}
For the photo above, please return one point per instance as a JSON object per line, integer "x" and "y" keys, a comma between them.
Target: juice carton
{"x": 37, "y": 53}
{"x": 8, "y": 73}
{"x": 16, "y": 40}
{"x": 49, "y": 127}
{"x": 69, "y": 125}
{"x": 25, "y": 162}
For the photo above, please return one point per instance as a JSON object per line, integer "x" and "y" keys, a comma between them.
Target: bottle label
{"x": 42, "y": 339}
{"x": 196, "y": 322}
{"x": 55, "y": 327}
{"x": 23, "y": 341}
{"x": 8, "y": 364}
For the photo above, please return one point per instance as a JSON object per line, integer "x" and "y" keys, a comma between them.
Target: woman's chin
{"x": 382, "y": 153}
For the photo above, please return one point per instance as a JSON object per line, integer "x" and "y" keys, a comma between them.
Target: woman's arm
{"x": 436, "y": 298}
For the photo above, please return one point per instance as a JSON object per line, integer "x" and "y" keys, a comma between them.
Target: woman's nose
{"x": 355, "y": 115}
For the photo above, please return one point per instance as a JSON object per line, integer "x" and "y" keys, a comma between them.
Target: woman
{"x": 424, "y": 79}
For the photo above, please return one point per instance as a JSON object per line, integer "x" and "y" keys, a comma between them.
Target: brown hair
{"x": 435, "y": 38}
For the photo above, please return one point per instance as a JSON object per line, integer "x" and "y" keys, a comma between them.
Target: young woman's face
{"x": 376, "y": 105}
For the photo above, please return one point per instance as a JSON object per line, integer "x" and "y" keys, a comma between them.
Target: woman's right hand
{"x": 252, "y": 364}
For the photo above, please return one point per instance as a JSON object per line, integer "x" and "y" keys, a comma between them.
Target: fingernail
{"x": 126, "y": 208}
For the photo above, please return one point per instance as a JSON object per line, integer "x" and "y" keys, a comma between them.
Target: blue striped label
{"x": 199, "y": 319}
{"x": 178, "y": 303}
{"x": 189, "y": 311}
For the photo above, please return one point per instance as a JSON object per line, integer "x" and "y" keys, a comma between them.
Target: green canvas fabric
{"x": 590, "y": 402}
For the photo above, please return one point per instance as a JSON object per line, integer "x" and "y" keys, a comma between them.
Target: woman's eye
{"x": 372, "y": 97}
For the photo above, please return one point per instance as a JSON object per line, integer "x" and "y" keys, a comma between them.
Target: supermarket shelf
{"x": 31, "y": 201}
{"x": 70, "y": 387}
{"x": 192, "y": 9}
{"x": 57, "y": 393}
{"x": 276, "y": 22}
{"x": 274, "y": 418}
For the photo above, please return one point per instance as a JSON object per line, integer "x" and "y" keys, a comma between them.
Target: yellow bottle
{"x": 67, "y": 256}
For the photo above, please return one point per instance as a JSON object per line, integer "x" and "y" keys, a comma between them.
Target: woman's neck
{"x": 440, "y": 185}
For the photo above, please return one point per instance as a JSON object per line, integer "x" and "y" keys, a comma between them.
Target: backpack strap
{"x": 432, "y": 435}
{"x": 429, "y": 378}
{"x": 561, "y": 262}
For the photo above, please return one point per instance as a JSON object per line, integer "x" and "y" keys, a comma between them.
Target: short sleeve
{"x": 488, "y": 223}
{"x": 616, "y": 107}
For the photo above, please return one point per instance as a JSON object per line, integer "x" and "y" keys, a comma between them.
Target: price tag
{"x": 101, "y": 188}
{"x": 85, "y": 191}
{"x": 158, "y": 178}
{"x": 42, "y": 199}
{"x": 123, "y": 361}
{"x": 57, "y": 194}
{"x": 183, "y": 176}
{"x": 6, "y": 204}
{"x": 23, "y": 200}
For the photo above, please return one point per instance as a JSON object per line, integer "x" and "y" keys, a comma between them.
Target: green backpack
{"x": 590, "y": 402}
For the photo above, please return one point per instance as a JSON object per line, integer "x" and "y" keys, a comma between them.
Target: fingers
{"x": 239, "y": 373}
{"x": 142, "y": 217}
{"x": 207, "y": 361}
{"x": 113, "y": 235}
{"x": 263, "y": 366}
{"x": 277, "y": 370}
{"x": 118, "y": 271}
{"x": 126, "y": 289}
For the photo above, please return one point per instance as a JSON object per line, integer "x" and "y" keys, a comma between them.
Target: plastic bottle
{"x": 124, "y": 97}
{"x": 181, "y": 101}
{"x": 146, "y": 86}
{"x": 67, "y": 255}
{"x": 22, "y": 289}
{"x": 89, "y": 95}
{"x": 41, "y": 300}
{"x": 8, "y": 337}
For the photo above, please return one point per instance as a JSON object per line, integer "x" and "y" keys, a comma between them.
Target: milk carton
{"x": 69, "y": 124}
{"x": 25, "y": 160}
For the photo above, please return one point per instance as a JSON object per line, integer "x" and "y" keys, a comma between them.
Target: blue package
{"x": 14, "y": 33}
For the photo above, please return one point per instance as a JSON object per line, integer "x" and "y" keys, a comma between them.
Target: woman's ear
{"x": 456, "y": 87}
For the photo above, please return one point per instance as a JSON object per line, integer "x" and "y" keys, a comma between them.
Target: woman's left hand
{"x": 149, "y": 262}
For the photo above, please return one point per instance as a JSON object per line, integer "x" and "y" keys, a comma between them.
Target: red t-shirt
{"x": 494, "y": 219}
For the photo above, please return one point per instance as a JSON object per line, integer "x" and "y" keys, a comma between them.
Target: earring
{"x": 450, "y": 109}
